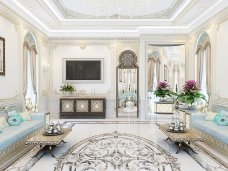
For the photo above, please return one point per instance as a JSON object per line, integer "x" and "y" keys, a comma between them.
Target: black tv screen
{"x": 83, "y": 70}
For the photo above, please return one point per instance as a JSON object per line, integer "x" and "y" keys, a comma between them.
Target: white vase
{"x": 67, "y": 93}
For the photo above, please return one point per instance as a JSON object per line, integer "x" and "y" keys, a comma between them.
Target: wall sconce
{"x": 45, "y": 67}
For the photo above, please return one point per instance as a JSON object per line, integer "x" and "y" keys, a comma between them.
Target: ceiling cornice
{"x": 129, "y": 32}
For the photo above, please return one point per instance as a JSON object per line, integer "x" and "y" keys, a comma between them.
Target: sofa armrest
{"x": 197, "y": 116}
{"x": 39, "y": 116}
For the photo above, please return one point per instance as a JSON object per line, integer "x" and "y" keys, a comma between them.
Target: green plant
{"x": 163, "y": 91}
{"x": 191, "y": 93}
{"x": 67, "y": 87}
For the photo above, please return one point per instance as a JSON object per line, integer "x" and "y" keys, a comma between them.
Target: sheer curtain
{"x": 25, "y": 68}
{"x": 29, "y": 74}
{"x": 153, "y": 72}
{"x": 151, "y": 64}
{"x": 33, "y": 71}
{"x": 199, "y": 71}
{"x": 208, "y": 69}
{"x": 158, "y": 70}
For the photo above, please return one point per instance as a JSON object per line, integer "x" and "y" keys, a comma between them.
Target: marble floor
{"x": 143, "y": 133}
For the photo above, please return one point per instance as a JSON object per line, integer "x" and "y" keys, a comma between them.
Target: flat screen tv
{"x": 83, "y": 70}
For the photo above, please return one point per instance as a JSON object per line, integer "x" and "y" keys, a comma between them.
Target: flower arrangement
{"x": 191, "y": 93}
{"x": 162, "y": 90}
{"x": 67, "y": 87}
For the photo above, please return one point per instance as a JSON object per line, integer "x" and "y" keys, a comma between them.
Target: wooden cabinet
{"x": 86, "y": 107}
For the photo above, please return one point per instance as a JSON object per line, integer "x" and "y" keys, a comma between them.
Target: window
{"x": 203, "y": 65}
{"x": 30, "y": 81}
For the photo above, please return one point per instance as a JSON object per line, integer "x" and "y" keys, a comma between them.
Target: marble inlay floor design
{"x": 94, "y": 138}
{"x": 117, "y": 151}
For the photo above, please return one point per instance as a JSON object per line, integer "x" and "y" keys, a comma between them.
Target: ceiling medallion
{"x": 71, "y": 14}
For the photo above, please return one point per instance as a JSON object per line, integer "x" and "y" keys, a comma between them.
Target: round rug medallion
{"x": 116, "y": 152}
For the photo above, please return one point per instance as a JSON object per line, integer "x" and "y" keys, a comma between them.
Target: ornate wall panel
{"x": 82, "y": 105}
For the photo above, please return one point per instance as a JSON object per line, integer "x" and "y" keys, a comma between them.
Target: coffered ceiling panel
{"x": 117, "y": 9}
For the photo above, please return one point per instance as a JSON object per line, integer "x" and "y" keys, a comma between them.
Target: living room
{"x": 122, "y": 50}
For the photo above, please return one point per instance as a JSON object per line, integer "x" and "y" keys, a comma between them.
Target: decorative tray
{"x": 52, "y": 134}
{"x": 184, "y": 131}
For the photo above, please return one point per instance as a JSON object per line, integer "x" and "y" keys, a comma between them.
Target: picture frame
{"x": 2, "y": 56}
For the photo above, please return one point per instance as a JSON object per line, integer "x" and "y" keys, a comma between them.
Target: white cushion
{"x": 210, "y": 116}
{"x": 26, "y": 116}
{"x": 3, "y": 122}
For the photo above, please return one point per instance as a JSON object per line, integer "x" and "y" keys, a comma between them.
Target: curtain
{"x": 33, "y": 57}
{"x": 151, "y": 64}
{"x": 158, "y": 70}
{"x": 33, "y": 70}
{"x": 199, "y": 54}
{"x": 208, "y": 69}
{"x": 25, "y": 69}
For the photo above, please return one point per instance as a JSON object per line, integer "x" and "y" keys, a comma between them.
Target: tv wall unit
{"x": 82, "y": 107}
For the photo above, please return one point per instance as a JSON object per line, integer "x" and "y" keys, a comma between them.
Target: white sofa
{"x": 13, "y": 138}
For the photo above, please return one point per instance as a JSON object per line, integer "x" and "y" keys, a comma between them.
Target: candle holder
{"x": 53, "y": 129}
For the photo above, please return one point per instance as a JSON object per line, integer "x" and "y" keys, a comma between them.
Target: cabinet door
{"x": 82, "y": 105}
{"x": 67, "y": 105}
{"x": 97, "y": 106}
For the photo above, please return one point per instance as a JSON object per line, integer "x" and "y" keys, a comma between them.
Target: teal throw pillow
{"x": 217, "y": 117}
{"x": 18, "y": 115}
{"x": 1, "y": 130}
{"x": 222, "y": 120}
{"x": 14, "y": 121}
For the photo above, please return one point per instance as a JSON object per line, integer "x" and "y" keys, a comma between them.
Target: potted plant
{"x": 67, "y": 88}
{"x": 190, "y": 93}
{"x": 163, "y": 91}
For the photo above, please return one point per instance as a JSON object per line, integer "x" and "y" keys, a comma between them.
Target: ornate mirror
{"x": 127, "y": 75}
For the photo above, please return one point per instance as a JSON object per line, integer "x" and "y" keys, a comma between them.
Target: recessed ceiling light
{"x": 201, "y": 8}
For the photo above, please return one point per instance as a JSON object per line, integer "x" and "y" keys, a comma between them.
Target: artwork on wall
{"x": 2, "y": 56}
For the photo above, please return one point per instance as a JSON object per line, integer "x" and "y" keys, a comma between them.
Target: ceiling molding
{"x": 8, "y": 15}
{"x": 71, "y": 14}
{"x": 44, "y": 6}
{"x": 187, "y": 9}
{"x": 114, "y": 29}
{"x": 73, "y": 39}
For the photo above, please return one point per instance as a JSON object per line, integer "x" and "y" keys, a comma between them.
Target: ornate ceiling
{"x": 117, "y": 9}
{"x": 118, "y": 18}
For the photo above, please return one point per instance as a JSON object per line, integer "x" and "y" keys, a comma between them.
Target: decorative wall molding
{"x": 220, "y": 22}
{"x": 220, "y": 101}
{"x": 15, "y": 97}
{"x": 18, "y": 21}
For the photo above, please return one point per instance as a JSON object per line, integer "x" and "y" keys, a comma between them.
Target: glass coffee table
{"x": 182, "y": 140}
{"x": 48, "y": 141}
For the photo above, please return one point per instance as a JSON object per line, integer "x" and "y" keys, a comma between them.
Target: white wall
{"x": 70, "y": 51}
{"x": 221, "y": 63}
{"x": 109, "y": 51}
{"x": 9, "y": 83}
{"x": 66, "y": 50}
{"x": 14, "y": 29}
{"x": 217, "y": 29}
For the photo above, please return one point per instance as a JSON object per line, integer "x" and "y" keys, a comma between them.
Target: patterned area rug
{"x": 116, "y": 152}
